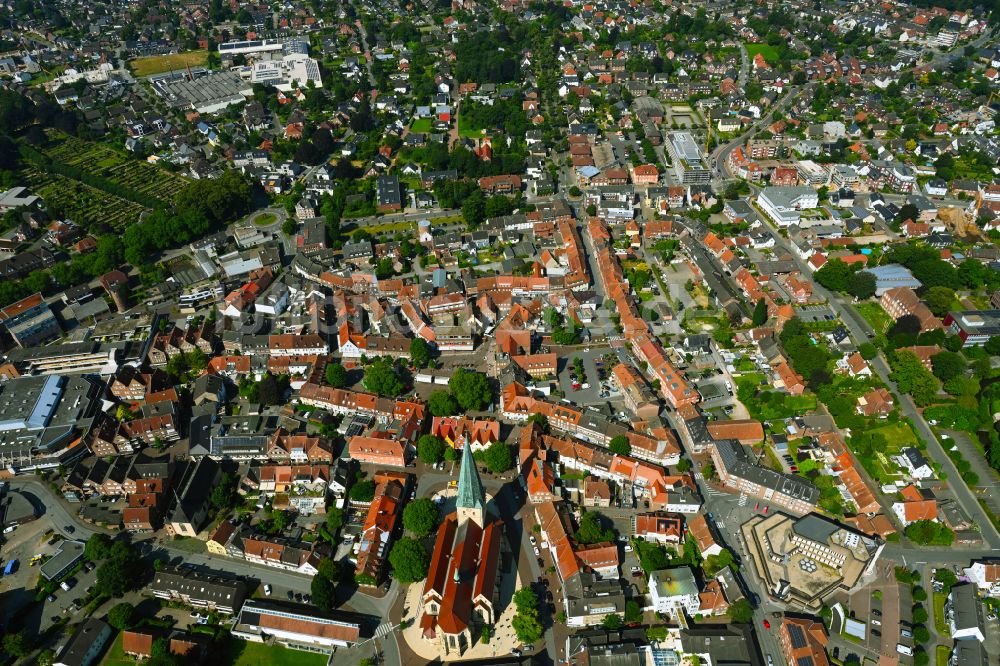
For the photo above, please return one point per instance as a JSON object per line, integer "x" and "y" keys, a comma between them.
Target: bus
{"x": 9, "y": 569}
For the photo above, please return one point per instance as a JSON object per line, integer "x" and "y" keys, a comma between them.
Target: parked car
{"x": 267, "y": 590}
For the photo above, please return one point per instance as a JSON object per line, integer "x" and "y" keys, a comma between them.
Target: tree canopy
{"x": 442, "y": 403}
{"x": 420, "y": 516}
{"x": 471, "y": 389}
{"x": 498, "y": 457}
{"x": 430, "y": 449}
{"x": 593, "y": 529}
{"x": 382, "y": 378}
{"x": 410, "y": 560}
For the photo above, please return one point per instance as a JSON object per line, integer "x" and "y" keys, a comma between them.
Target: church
{"x": 463, "y": 580}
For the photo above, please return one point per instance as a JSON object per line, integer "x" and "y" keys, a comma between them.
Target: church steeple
{"x": 471, "y": 499}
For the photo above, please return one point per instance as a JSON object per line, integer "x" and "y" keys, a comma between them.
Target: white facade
{"x": 784, "y": 204}
{"x": 674, "y": 590}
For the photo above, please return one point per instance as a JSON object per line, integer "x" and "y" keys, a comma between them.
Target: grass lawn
{"x": 769, "y": 52}
{"x": 115, "y": 656}
{"x": 942, "y": 653}
{"x": 265, "y": 219}
{"x": 242, "y": 653}
{"x": 466, "y": 131}
{"x": 876, "y": 317}
{"x": 421, "y": 125}
{"x": 940, "y": 624}
{"x": 898, "y": 435}
{"x": 168, "y": 63}
{"x": 390, "y": 228}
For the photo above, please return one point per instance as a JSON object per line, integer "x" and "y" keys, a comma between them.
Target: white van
{"x": 904, "y": 649}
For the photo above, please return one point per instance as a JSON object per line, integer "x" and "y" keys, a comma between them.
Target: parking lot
{"x": 588, "y": 389}
{"x": 18, "y": 588}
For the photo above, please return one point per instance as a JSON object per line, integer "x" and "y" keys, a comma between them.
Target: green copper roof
{"x": 470, "y": 487}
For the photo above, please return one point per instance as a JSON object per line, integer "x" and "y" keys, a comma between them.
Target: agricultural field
{"x": 167, "y": 63}
{"x": 104, "y": 161}
{"x": 87, "y": 206}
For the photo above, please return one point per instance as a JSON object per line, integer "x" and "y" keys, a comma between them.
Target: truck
{"x": 10, "y": 568}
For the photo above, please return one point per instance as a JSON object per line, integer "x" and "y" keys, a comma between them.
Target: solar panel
{"x": 798, "y": 637}
{"x": 805, "y": 661}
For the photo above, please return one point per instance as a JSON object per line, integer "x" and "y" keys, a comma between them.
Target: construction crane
{"x": 985, "y": 110}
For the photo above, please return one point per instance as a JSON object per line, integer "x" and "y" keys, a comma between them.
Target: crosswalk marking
{"x": 384, "y": 629}
{"x": 743, "y": 500}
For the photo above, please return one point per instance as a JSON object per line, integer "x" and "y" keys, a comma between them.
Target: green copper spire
{"x": 471, "y": 498}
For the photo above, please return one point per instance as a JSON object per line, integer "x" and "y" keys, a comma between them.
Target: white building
{"x": 307, "y": 629}
{"x": 915, "y": 464}
{"x": 986, "y": 576}
{"x": 674, "y": 590}
{"x": 784, "y": 204}
{"x": 292, "y": 71}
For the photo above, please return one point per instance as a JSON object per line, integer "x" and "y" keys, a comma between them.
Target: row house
{"x": 174, "y": 342}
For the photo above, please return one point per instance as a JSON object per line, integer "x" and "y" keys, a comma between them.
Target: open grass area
{"x": 116, "y": 656}
{"x": 167, "y": 63}
{"x": 265, "y": 219}
{"x": 242, "y": 653}
{"x": 940, "y": 623}
{"x": 421, "y": 125}
{"x": 942, "y": 655}
{"x": 769, "y": 52}
{"x": 876, "y": 317}
{"x": 898, "y": 436}
{"x": 466, "y": 130}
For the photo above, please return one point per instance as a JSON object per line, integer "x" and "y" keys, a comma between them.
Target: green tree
{"x": 760, "y": 312}
{"x": 46, "y": 658}
{"x": 16, "y": 645}
{"x": 947, "y": 365}
{"x": 861, "y": 285}
{"x": 324, "y": 593}
{"x": 526, "y": 623}
{"x": 410, "y": 560}
{"x": 471, "y": 389}
{"x": 498, "y": 457}
{"x": 867, "y": 350}
{"x": 119, "y": 572}
{"x": 98, "y": 547}
{"x": 920, "y": 614}
{"x": 683, "y": 466}
{"x": 430, "y": 449}
{"x": 381, "y": 378}
{"x": 921, "y": 634}
{"x": 120, "y": 617}
{"x": 939, "y": 299}
{"x": 912, "y": 377}
{"x": 334, "y": 519}
{"x": 833, "y": 275}
{"x": 633, "y": 612}
{"x": 420, "y": 352}
{"x": 362, "y": 491}
{"x": 592, "y": 529}
{"x": 329, "y": 569}
{"x": 442, "y": 403}
{"x": 740, "y": 612}
{"x": 612, "y": 621}
{"x": 992, "y": 346}
{"x": 420, "y": 516}
{"x": 336, "y": 375}
{"x": 620, "y": 445}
